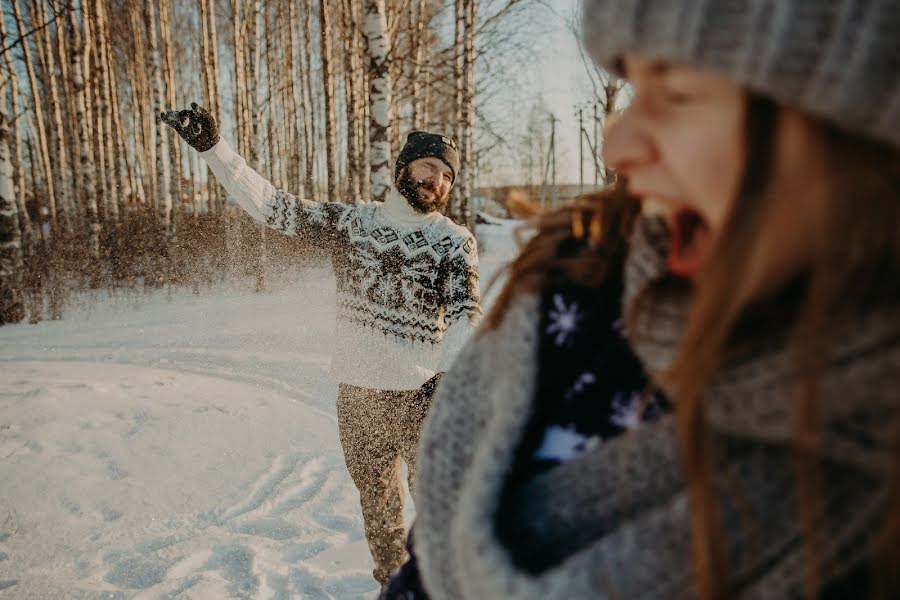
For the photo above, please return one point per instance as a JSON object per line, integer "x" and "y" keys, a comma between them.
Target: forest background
{"x": 317, "y": 95}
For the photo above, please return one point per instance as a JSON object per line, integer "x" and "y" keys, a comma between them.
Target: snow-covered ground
{"x": 180, "y": 446}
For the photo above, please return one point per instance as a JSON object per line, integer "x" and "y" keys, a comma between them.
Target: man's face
{"x": 426, "y": 183}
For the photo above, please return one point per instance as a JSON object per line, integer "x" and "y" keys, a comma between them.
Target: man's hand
{"x": 196, "y": 126}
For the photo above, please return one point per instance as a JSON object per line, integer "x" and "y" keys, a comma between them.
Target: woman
{"x": 763, "y": 297}
{"x": 590, "y": 387}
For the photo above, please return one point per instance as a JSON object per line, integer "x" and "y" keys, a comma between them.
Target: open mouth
{"x": 689, "y": 243}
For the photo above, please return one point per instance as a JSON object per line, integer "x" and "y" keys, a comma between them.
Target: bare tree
{"x": 124, "y": 176}
{"x": 468, "y": 115}
{"x": 43, "y": 146}
{"x": 60, "y": 153}
{"x": 328, "y": 90}
{"x": 15, "y": 138}
{"x": 88, "y": 196}
{"x": 375, "y": 29}
{"x": 209, "y": 54}
{"x": 168, "y": 71}
{"x": 309, "y": 124}
{"x": 350, "y": 44}
{"x": 160, "y": 133}
{"x": 293, "y": 30}
{"x": 12, "y": 307}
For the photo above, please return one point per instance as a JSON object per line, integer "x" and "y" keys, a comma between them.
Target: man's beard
{"x": 414, "y": 189}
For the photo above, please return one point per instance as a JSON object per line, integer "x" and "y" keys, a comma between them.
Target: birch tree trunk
{"x": 271, "y": 104}
{"x": 124, "y": 175}
{"x": 165, "y": 28}
{"x": 309, "y": 130}
{"x": 95, "y": 75}
{"x": 210, "y": 79}
{"x": 285, "y": 87}
{"x": 141, "y": 105}
{"x": 160, "y": 134}
{"x": 417, "y": 20}
{"x": 253, "y": 83}
{"x": 64, "y": 208}
{"x": 16, "y": 140}
{"x": 351, "y": 67}
{"x": 466, "y": 170}
{"x": 88, "y": 195}
{"x": 43, "y": 147}
{"x": 375, "y": 30}
{"x": 73, "y": 148}
{"x": 252, "y": 105}
{"x": 92, "y": 122}
{"x": 12, "y": 306}
{"x": 459, "y": 21}
{"x": 237, "y": 30}
{"x": 328, "y": 88}
{"x": 365, "y": 117}
{"x": 295, "y": 90}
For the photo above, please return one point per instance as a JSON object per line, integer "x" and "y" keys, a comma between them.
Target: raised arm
{"x": 278, "y": 209}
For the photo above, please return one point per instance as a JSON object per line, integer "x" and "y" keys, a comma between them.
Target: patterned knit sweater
{"x": 407, "y": 286}
{"x": 622, "y": 507}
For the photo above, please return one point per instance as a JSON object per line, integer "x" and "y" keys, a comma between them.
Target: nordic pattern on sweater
{"x": 408, "y": 282}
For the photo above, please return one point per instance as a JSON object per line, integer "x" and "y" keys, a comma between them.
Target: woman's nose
{"x": 624, "y": 145}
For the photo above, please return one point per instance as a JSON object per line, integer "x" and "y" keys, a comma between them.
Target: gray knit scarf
{"x": 620, "y": 512}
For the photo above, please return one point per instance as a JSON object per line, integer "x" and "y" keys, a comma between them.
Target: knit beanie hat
{"x": 836, "y": 59}
{"x": 421, "y": 144}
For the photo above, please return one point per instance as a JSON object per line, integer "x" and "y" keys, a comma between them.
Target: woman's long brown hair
{"x": 603, "y": 220}
{"x": 857, "y": 265}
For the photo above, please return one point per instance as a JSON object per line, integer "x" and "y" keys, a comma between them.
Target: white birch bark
{"x": 271, "y": 104}
{"x": 160, "y": 133}
{"x": 124, "y": 176}
{"x": 60, "y": 153}
{"x": 88, "y": 193}
{"x": 252, "y": 106}
{"x": 210, "y": 79}
{"x": 95, "y": 84}
{"x": 12, "y": 307}
{"x": 253, "y": 87}
{"x": 174, "y": 150}
{"x": 375, "y": 31}
{"x": 466, "y": 170}
{"x": 417, "y": 24}
{"x": 328, "y": 90}
{"x": 15, "y": 139}
{"x": 237, "y": 31}
{"x": 72, "y": 142}
{"x": 43, "y": 146}
{"x": 351, "y": 95}
{"x": 456, "y": 199}
{"x": 309, "y": 131}
{"x": 295, "y": 90}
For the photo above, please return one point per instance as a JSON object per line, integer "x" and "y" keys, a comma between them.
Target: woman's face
{"x": 681, "y": 145}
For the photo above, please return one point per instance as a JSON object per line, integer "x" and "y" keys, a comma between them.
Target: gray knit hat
{"x": 837, "y": 59}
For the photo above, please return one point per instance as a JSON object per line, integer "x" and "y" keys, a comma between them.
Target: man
{"x": 407, "y": 298}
